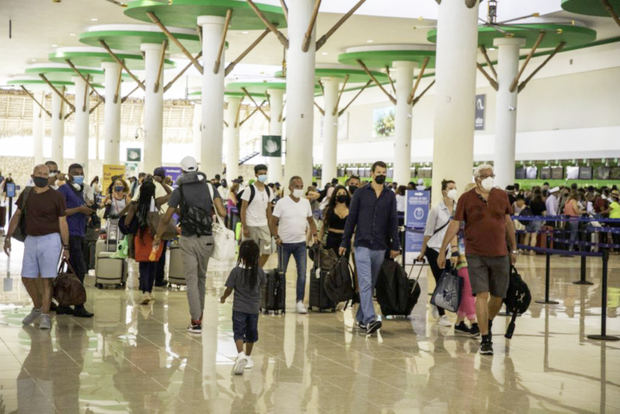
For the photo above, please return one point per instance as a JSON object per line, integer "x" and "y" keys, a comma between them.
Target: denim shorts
{"x": 41, "y": 256}
{"x": 245, "y": 326}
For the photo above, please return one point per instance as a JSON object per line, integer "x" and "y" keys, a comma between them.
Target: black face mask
{"x": 40, "y": 181}
{"x": 342, "y": 198}
{"x": 352, "y": 188}
{"x": 380, "y": 179}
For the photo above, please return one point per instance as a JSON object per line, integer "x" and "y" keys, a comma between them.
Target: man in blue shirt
{"x": 77, "y": 214}
{"x": 374, "y": 219}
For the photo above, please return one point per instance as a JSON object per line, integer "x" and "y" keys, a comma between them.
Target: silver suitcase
{"x": 110, "y": 271}
{"x": 176, "y": 275}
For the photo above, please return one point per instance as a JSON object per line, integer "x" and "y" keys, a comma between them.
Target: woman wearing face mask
{"x": 436, "y": 227}
{"x": 334, "y": 218}
{"x": 115, "y": 202}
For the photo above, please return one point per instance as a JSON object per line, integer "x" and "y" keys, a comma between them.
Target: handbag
{"x": 447, "y": 293}
{"x": 170, "y": 231}
{"x": 224, "y": 244}
{"x": 68, "y": 290}
{"x": 143, "y": 244}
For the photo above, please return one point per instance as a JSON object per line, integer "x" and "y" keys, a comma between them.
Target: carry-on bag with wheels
{"x": 176, "y": 275}
{"x": 110, "y": 270}
{"x": 397, "y": 293}
{"x": 318, "y": 297}
{"x": 273, "y": 297}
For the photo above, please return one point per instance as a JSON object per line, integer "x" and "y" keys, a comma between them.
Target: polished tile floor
{"x": 139, "y": 359}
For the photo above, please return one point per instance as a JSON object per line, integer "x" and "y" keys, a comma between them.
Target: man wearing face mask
{"x": 434, "y": 232}
{"x": 374, "y": 219}
{"x": 291, "y": 216}
{"x": 77, "y": 214}
{"x": 256, "y": 213}
{"x": 486, "y": 212}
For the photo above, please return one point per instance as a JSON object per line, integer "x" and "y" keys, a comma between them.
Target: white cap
{"x": 420, "y": 181}
{"x": 554, "y": 190}
{"x": 189, "y": 164}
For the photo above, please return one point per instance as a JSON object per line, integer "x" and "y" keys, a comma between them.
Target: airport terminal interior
{"x": 492, "y": 126}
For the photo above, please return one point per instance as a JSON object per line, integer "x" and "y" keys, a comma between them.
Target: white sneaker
{"x": 32, "y": 316}
{"x": 249, "y": 362}
{"x": 45, "y": 322}
{"x": 444, "y": 321}
{"x": 434, "y": 312}
{"x": 301, "y": 308}
{"x": 240, "y": 364}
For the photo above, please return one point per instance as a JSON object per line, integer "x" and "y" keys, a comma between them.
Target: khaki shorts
{"x": 261, "y": 235}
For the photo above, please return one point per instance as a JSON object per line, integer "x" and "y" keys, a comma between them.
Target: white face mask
{"x": 452, "y": 194}
{"x": 298, "y": 193}
{"x": 487, "y": 184}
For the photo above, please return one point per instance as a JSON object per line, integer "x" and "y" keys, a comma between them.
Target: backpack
{"x": 20, "y": 231}
{"x": 517, "y": 299}
{"x": 339, "y": 281}
{"x": 195, "y": 219}
{"x": 396, "y": 293}
{"x": 252, "y": 194}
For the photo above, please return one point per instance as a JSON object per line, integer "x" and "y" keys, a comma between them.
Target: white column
{"x": 455, "y": 91}
{"x": 112, "y": 114}
{"x": 231, "y": 137}
{"x": 299, "y": 92}
{"x": 506, "y": 110}
{"x": 82, "y": 101}
{"x": 403, "y": 79}
{"x": 153, "y": 108}
{"x": 38, "y": 128}
{"x": 276, "y": 100}
{"x": 196, "y": 137}
{"x": 330, "y": 130}
{"x": 212, "y": 95}
{"x": 58, "y": 129}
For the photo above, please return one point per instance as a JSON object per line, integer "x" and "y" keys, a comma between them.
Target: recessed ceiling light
{"x": 245, "y": 32}
{"x": 33, "y": 60}
{"x": 54, "y": 45}
{"x": 93, "y": 19}
{"x": 72, "y": 34}
{"x": 324, "y": 53}
{"x": 369, "y": 41}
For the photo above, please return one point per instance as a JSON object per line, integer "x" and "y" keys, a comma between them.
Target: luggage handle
{"x": 419, "y": 273}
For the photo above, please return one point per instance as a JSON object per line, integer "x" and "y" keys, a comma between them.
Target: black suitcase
{"x": 318, "y": 296}
{"x": 273, "y": 296}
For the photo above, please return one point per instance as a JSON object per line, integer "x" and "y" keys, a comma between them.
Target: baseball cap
{"x": 189, "y": 164}
{"x": 160, "y": 172}
{"x": 554, "y": 190}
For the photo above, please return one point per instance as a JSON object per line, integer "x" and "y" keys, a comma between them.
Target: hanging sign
{"x": 272, "y": 146}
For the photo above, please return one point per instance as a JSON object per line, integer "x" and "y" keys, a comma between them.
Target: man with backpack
{"x": 194, "y": 200}
{"x": 373, "y": 217}
{"x": 486, "y": 212}
{"x": 256, "y": 213}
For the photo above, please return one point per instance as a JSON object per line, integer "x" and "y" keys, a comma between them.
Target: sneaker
{"x": 373, "y": 327}
{"x": 301, "y": 309}
{"x": 146, "y": 298}
{"x": 195, "y": 327}
{"x": 444, "y": 321}
{"x": 240, "y": 364}
{"x": 32, "y": 316}
{"x": 81, "y": 312}
{"x": 249, "y": 362}
{"x": 474, "y": 331}
{"x": 461, "y": 329}
{"x": 45, "y": 322}
{"x": 361, "y": 325}
{"x": 486, "y": 348}
{"x": 434, "y": 312}
{"x": 64, "y": 310}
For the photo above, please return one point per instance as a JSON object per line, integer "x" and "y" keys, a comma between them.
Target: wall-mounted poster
{"x": 520, "y": 173}
{"x": 480, "y": 106}
{"x": 383, "y": 121}
{"x": 545, "y": 173}
{"x": 602, "y": 173}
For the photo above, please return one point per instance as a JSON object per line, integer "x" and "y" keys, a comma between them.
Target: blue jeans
{"x": 298, "y": 250}
{"x": 573, "y": 226}
{"x": 368, "y": 265}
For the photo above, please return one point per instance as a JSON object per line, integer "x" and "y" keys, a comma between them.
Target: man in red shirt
{"x": 486, "y": 212}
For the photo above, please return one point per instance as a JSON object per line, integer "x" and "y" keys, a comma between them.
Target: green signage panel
{"x": 272, "y": 146}
{"x": 134, "y": 154}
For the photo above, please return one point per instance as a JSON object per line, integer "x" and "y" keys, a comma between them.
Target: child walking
{"x": 246, "y": 279}
{"x": 467, "y": 307}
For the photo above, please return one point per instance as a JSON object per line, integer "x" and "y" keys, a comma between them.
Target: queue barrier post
{"x": 582, "y": 279}
{"x": 547, "y": 282}
{"x": 603, "y": 336}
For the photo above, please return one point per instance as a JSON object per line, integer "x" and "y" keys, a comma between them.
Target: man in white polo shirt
{"x": 291, "y": 217}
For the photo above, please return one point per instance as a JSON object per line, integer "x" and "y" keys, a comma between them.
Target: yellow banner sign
{"x": 109, "y": 171}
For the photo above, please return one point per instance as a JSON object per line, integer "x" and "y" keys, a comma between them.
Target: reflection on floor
{"x": 134, "y": 358}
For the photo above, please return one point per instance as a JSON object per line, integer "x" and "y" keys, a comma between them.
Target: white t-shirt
{"x": 256, "y": 213}
{"x": 293, "y": 219}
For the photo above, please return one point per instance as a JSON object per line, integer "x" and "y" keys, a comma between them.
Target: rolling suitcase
{"x": 176, "y": 275}
{"x": 273, "y": 296}
{"x": 109, "y": 270}
{"x": 318, "y": 296}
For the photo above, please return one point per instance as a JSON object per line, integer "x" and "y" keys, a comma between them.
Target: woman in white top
{"x": 436, "y": 226}
{"x": 401, "y": 203}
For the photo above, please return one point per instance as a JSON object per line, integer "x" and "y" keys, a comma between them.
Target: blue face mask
{"x": 78, "y": 179}
{"x": 262, "y": 178}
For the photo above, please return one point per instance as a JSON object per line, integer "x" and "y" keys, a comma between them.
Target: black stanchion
{"x": 547, "y": 282}
{"x": 603, "y": 336}
{"x": 582, "y": 279}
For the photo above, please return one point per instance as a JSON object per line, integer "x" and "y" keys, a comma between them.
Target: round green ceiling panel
{"x": 61, "y": 71}
{"x": 229, "y": 93}
{"x": 258, "y": 88}
{"x": 183, "y": 13}
{"x": 590, "y": 7}
{"x": 95, "y": 56}
{"x": 27, "y": 80}
{"x": 131, "y": 36}
{"x": 380, "y": 56}
{"x": 355, "y": 75}
{"x": 554, "y": 34}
